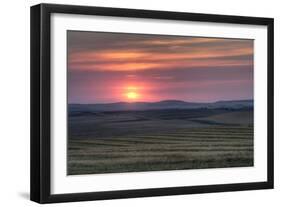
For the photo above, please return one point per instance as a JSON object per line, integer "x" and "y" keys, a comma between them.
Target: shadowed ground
{"x": 131, "y": 141}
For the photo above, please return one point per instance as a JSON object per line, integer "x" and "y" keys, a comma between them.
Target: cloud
{"x": 127, "y": 52}
{"x": 102, "y": 65}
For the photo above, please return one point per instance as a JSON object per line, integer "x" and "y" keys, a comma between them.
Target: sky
{"x": 120, "y": 67}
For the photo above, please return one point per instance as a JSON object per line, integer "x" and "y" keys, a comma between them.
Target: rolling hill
{"x": 166, "y": 104}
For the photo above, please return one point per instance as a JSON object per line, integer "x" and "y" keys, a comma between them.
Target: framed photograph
{"x": 133, "y": 103}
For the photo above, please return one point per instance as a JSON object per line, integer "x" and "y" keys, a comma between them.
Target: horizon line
{"x": 195, "y": 102}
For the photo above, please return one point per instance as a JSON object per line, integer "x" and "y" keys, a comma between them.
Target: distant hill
{"x": 165, "y": 104}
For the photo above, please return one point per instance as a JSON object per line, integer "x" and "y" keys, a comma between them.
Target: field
{"x": 131, "y": 141}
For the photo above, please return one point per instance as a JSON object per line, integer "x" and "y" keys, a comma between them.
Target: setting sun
{"x": 132, "y": 95}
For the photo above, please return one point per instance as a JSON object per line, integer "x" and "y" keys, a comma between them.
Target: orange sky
{"x": 113, "y": 67}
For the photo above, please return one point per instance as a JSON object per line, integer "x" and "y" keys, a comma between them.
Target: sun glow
{"x": 132, "y": 95}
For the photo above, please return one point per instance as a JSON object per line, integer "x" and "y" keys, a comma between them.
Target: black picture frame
{"x": 41, "y": 98}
